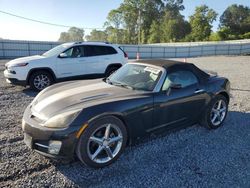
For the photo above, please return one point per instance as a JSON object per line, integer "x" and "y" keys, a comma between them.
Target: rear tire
{"x": 102, "y": 142}
{"x": 39, "y": 80}
{"x": 216, "y": 113}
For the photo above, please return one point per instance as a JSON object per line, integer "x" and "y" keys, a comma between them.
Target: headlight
{"x": 19, "y": 65}
{"x": 61, "y": 120}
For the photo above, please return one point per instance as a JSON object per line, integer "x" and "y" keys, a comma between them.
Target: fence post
{"x": 151, "y": 49}
{"x": 29, "y": 48}
{"x": 189, "y": 50}
{"x": 240, "y": 48}
{"x": 164, "y": 52}
{"x": 3, "y": 50}
{"x": 138, "y": 50}
{"x": 202, "y": 50}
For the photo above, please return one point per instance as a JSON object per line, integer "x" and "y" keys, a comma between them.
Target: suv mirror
{"x": 175, "y": 86}
{"x": 63, "y": 55}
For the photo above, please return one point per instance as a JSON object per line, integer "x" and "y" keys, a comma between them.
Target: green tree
{"x": 175, "y": 6}
{"x": 73, "y": 34}
{"x": 114, "y": 21}
{"x": 174, "y": 27}
{"x": 151, "y": 10}
{"x": 215, "y": 37}
{"x": 201, "y": 23}
{"x": 155, "y": 33}
{"x": 97, "y": 35}
{"x": 137, "y": 17}
{"x": 235, "y": 20}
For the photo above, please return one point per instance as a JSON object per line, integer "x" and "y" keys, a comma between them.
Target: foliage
{"x": 73, "y": 34}
{"x": 245, "y": 36}
{"x": 155, "y": 33}
{"x": 215, "y": 36}
{"x": 201, "y": 23}
{"x": 174, "y": 26}
{"x": 155, "y": 21}
{"x": 237, "y": 19}
{"x": 97, "y": 35}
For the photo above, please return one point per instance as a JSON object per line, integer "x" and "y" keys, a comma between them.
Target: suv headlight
{"x": 20, "y": 65}
{"x": 61, "y": 120}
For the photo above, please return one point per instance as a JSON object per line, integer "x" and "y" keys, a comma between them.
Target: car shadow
{"x": 167, "y": 155}
{"x": 30, "y": 92}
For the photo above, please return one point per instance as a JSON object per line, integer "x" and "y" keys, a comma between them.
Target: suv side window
{"x": 76, "y": 51}
{"x": 94, "y": 50}
{"x": 185, "y": 78}
{"x": 110, "y": 50}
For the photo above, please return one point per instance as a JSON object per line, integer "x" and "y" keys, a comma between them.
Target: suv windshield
{"x": 134, "y": 76}
{"x": 56, "y": 51}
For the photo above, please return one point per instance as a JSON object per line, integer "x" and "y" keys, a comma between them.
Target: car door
{"x": 94, "y": 60}
{"x": 178, "y": 106}
{"x": 71, "y": 63}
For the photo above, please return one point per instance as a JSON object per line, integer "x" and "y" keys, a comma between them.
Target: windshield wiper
{"x": 118, "y": 84}
{"x": 123, "y": 85}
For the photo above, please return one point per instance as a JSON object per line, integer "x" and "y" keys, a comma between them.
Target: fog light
{"x": 54, "y": 147}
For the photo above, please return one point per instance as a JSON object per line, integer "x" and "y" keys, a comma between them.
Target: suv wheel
{"x": 40, "y": 80}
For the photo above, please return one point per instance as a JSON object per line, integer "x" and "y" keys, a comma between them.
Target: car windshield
{"x": 134, "y": 76}
{"x": 56, "y": 51}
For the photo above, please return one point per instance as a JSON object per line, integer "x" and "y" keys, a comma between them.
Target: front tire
{"x": 102, "y": 142}
{"x": 40, "y": 80}
{"x": 216, "y": 113}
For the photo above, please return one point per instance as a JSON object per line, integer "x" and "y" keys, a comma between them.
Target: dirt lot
{"x": 192, "y": 157}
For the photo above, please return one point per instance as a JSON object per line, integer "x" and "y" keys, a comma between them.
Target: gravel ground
{"x": 191, "y": 157}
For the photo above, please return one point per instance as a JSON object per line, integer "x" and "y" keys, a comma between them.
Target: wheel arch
{"x": 225, "y": 94}
{"x": 117, "y": 65}
{"x": 117, "y": 115}
{"x": 40, "y": 69}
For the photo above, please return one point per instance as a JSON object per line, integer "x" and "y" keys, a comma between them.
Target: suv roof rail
{"x": 81, "y": 42}
{"x": 78, "y": 42}
{"x": 106, "y": 42}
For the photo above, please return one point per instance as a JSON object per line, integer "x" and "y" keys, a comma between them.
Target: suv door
{"x": 98, "y": 58}
{"x": 178, "y": 106}
{"x": 71, "y": 64}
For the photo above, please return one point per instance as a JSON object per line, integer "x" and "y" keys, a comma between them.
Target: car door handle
{"x": 82, "y": 60}
{"x": 199, "y": 91}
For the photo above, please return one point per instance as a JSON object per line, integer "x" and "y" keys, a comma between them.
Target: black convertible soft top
{"x": 171, "y": 65}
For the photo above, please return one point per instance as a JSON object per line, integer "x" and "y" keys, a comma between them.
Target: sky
{"x": 79, "y": 13}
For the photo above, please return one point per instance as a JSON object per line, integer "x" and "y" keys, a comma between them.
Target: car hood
{"x": 23, "y": 60}
{"x": 77, "y": 94}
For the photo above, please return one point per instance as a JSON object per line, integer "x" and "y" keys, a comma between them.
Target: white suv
{"x": 65, "y": 62}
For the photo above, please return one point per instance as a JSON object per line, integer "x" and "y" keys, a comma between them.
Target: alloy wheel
{"x": 218, "y": 112}
{"x": 105, "y": 143}
{"x": 41, "y": 81}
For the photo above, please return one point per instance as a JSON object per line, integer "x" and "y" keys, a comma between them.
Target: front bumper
{"x": 39, "y": 138}
{"x": 12, "y": 80}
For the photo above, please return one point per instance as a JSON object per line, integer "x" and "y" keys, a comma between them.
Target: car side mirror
{"x": 63, "y": 55}
{"x": 175, "y": 86}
